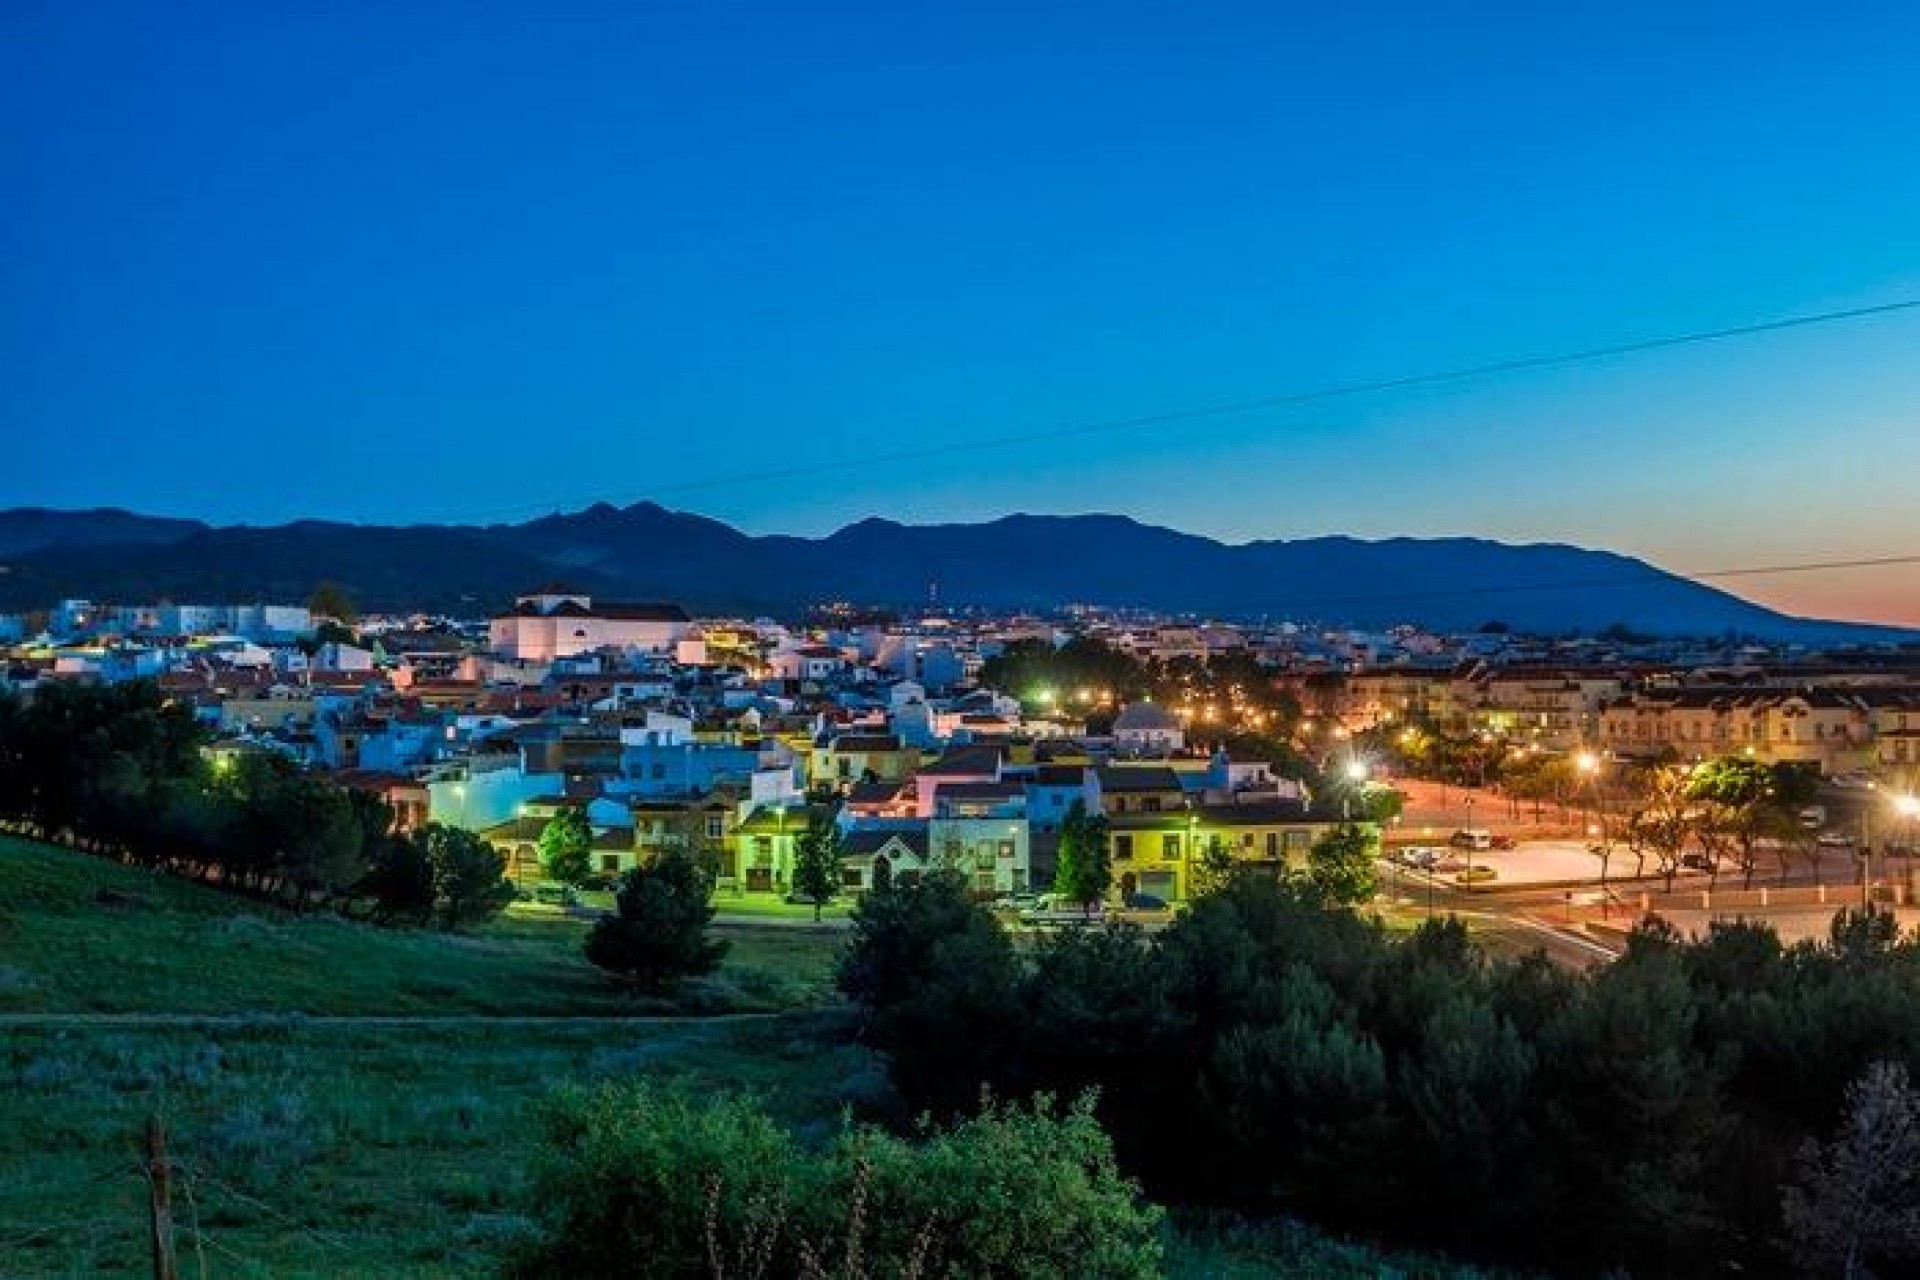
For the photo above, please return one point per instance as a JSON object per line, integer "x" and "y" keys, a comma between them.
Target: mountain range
{"x": 647, "y": 552}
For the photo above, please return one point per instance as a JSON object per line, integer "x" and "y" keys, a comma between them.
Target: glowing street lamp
{"x": 1906, "y": 807}
{"x": 1356, "y": 773}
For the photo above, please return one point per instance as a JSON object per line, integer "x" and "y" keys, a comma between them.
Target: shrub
{"x": 621, "y": 1181}
{"x": 1015, "y": 1191}
{"x": 658, "y": 932}
{"x": 644, "y": 1178}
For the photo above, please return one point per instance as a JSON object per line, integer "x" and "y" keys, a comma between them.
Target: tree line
{"x": 120, "y": 771}
{"x": 1669, "y": 1113}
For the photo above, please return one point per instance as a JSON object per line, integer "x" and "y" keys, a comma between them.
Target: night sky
{"x": 411, "y": 261}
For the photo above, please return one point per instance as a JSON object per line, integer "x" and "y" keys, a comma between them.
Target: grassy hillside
{"x": 84, "y": 935}
{"x": 327, "y": 1151}
{"x": 353, "y": 1147}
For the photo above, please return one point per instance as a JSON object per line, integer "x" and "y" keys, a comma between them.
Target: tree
{"x": 657, "y": 934}
{"x": 399, "y": 879}
{"x": 1341, "y": 864}
{"x": 1213, "y": 869}
{"x": 1743, "y": 801}
{"x": 330, "y": 600}
{"x": 1856, "y": 1204}
{"x": 566, "y": 847}
{"x": 1662, "y": 820}
{"x": 937, "y": 977}
{"x": 1082, "y": 867}
{"x": 469, "y": 875}
{"x": 1381, "y": 805}
{"x": 816, "y": 861}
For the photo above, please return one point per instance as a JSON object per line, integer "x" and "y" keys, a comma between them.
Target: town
{"x": 992, "y": 642}
{"x": 965, "y": 741}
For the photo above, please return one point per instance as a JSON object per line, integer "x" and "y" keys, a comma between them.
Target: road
{"x": 1514, "y": 921}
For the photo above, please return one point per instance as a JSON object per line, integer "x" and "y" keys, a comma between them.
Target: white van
{"x": 1472, "y": 838}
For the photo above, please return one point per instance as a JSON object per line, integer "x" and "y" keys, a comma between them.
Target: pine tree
{"x": 566, "y": 847}
{"x": 816, "y": 862}
{"x": 1082, "y": 869}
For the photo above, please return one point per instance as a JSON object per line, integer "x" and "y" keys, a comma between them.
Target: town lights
{"x": 1587, "y": 762}
{"x": 1907, "y": 806}
{"x": 1356, "y": 770}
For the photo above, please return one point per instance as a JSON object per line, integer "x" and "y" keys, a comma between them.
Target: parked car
{"x": 1834, "y": 840}
{"x": 1472, "y": 838}
{"x": 1696, "y": 861}
{"x": 1053, "y": 910}
{"x": 1145, "y": 902}
{"x": 1503, "y": 842}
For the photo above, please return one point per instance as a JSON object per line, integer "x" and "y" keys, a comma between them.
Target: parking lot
{"x": 1533, "y": 862}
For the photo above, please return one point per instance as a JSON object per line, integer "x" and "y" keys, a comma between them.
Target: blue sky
{"x": 422, "y": 261}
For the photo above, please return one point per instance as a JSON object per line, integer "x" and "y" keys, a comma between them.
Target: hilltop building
{"x": 556, "y": 621}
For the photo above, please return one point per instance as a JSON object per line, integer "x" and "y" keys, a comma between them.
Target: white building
{"x": 557, "y": 622}
{"x": 1147, "y": 728}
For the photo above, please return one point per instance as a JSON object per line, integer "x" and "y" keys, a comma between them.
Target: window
{"x": 1170, "y": 846}
{"x": 1151, "y": 804}
{"x": 850, "y": 877}
{"x": 1006, "y": 848}
{"x": 1123, "y": 848}
{"x": 763, "y": 849}
{"x": 1273, "y": 844}
{"x": 609, "y": 862}
{"x": 716, "y": 826}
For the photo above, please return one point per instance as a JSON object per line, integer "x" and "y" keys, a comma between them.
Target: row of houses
{"x": 1841, "y": 719}
{"x": 981, "y": 810}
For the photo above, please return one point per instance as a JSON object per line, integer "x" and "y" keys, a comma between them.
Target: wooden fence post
{"x": 160, "y": 1201}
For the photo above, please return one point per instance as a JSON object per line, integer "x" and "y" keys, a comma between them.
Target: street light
{"x": 1356, "y": 772}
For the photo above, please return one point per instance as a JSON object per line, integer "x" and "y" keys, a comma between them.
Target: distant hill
{"x": 648, "y": 552}
{"x": 26, "y": 529}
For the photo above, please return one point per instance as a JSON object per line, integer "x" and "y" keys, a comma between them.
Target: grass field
{"x": 312, "y": 1139}
{"x": 329, "y": 1151}
{"x": 81, "y": 934}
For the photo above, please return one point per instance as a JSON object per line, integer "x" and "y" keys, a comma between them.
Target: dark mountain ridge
{"x": 646, "y": 551}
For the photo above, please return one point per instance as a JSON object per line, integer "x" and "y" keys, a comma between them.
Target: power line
{"x": 1233, "y": 407}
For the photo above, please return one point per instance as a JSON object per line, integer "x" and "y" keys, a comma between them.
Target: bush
{"x": 658, "y": 932}
{"x": 1014, "y": 1191}
{"x": 626, "y": 1176}
{"x": 641, "y": 1177}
